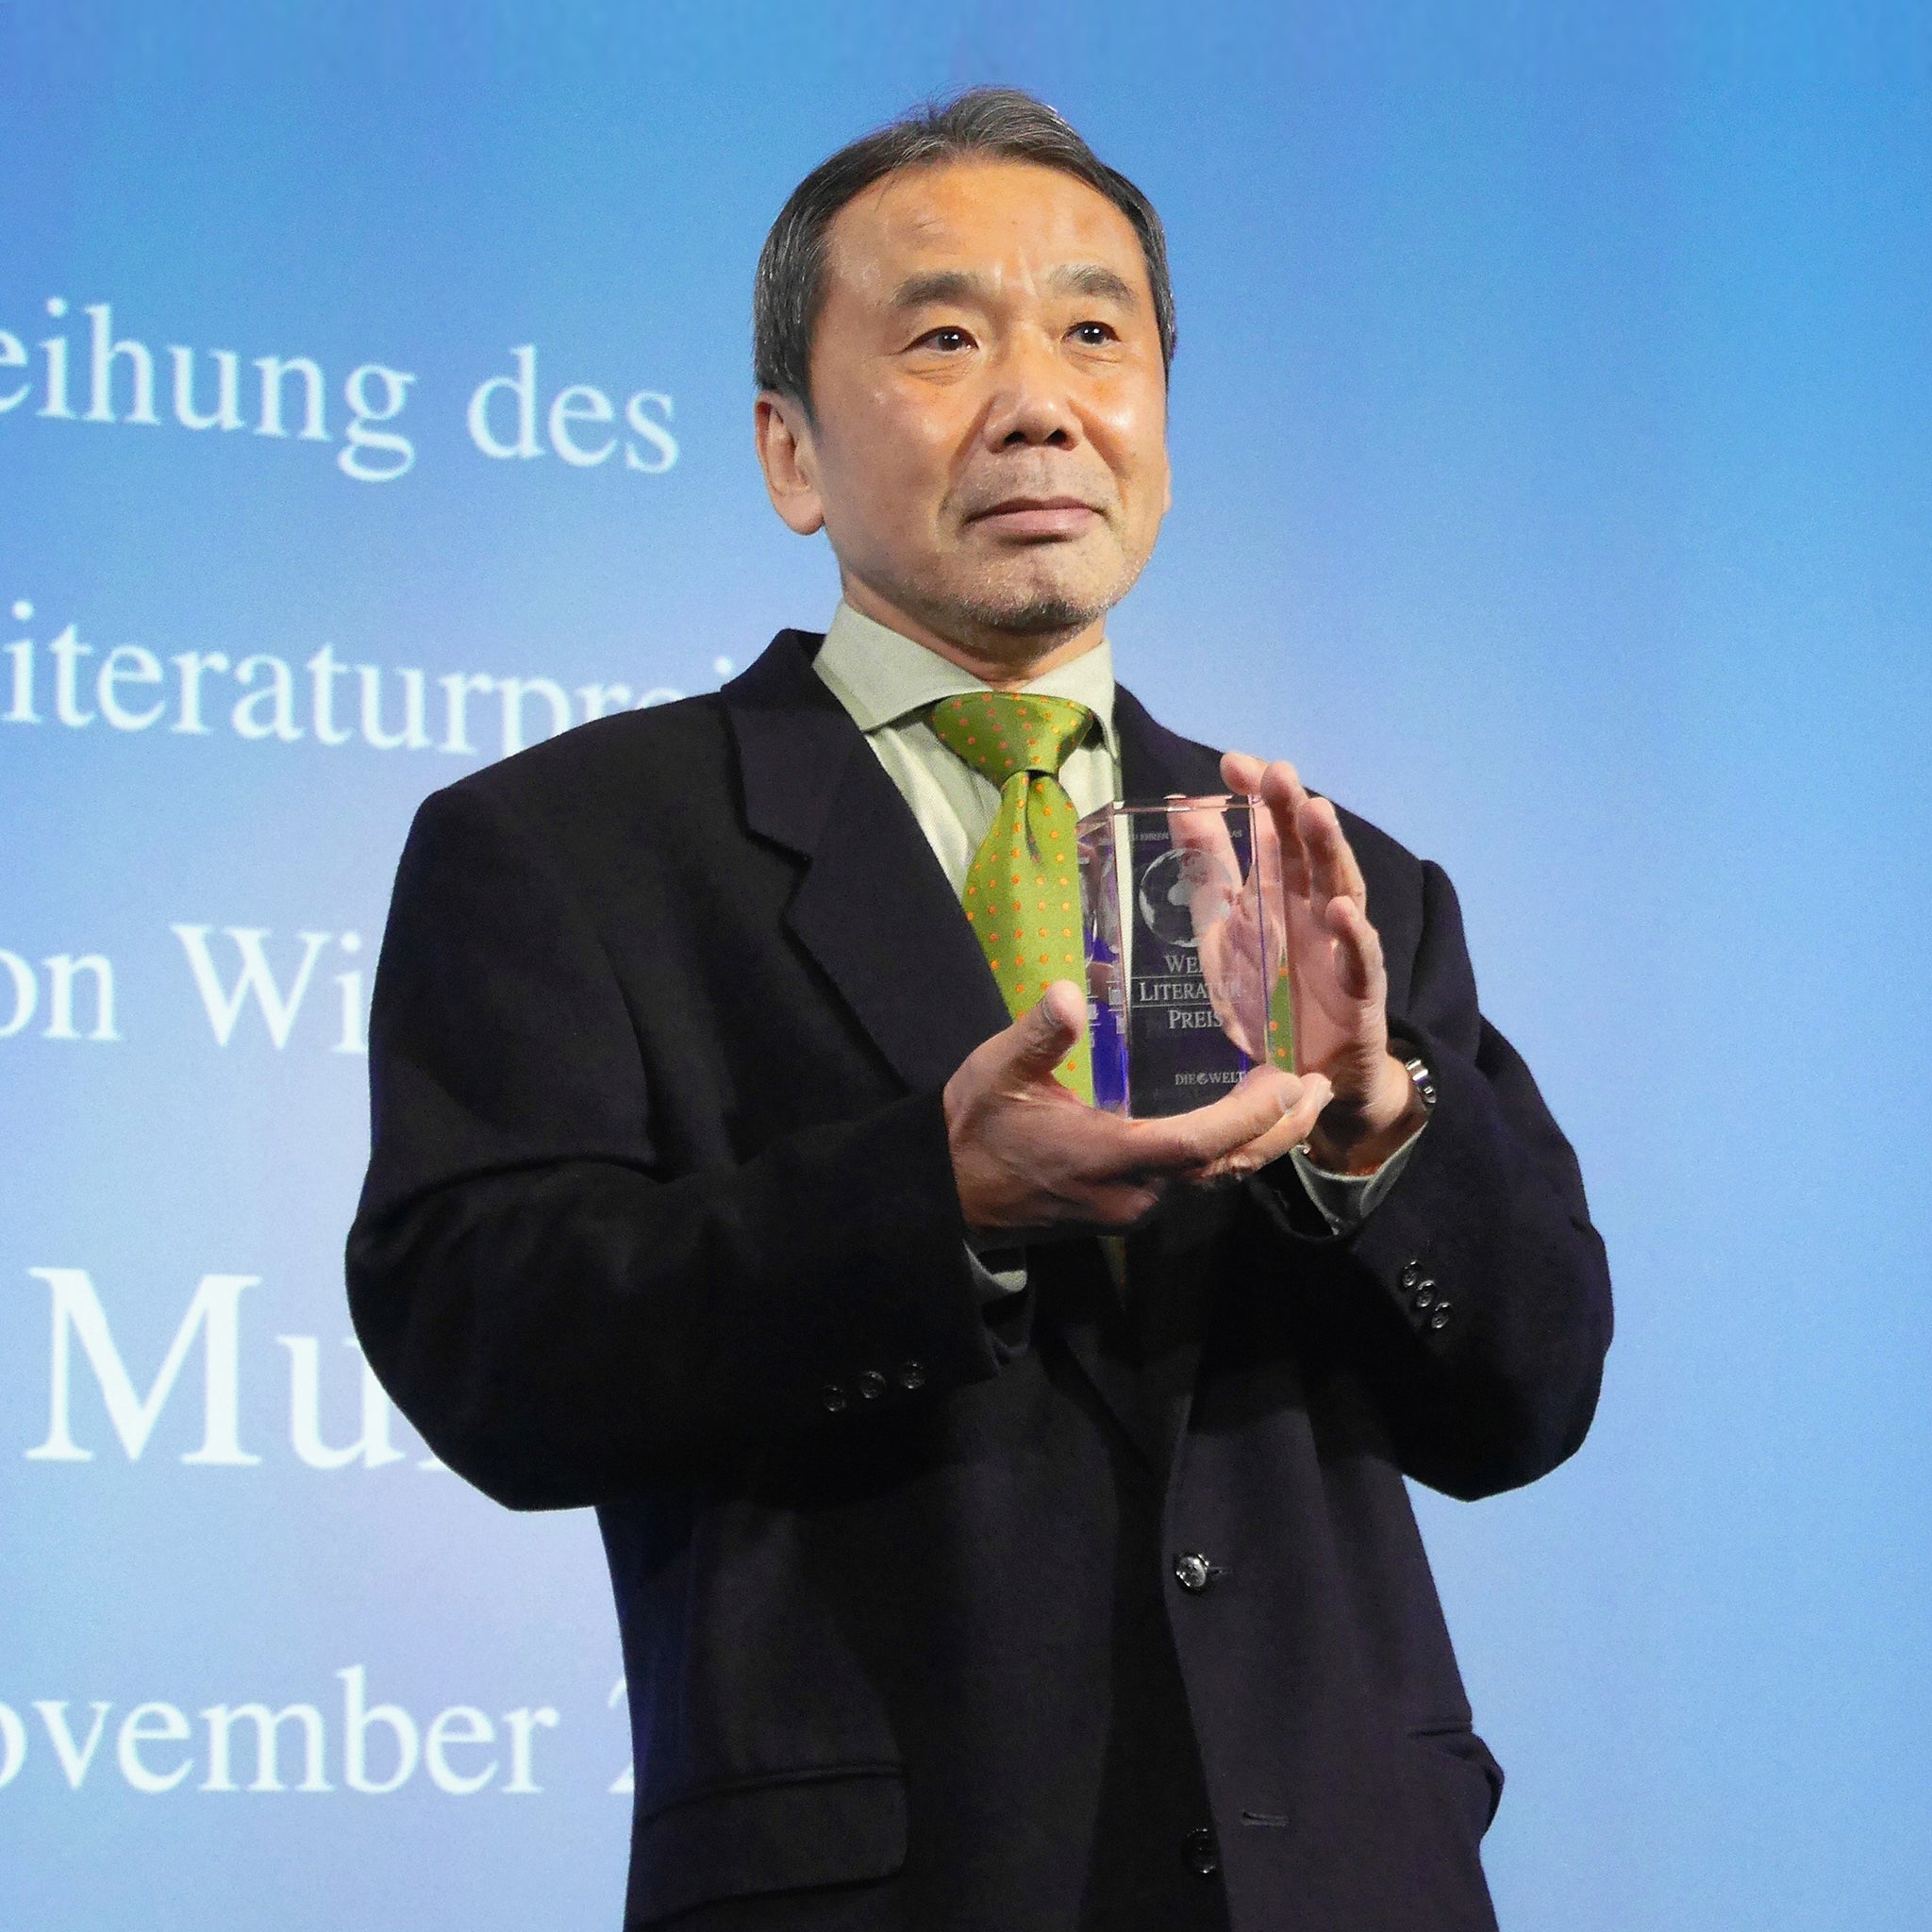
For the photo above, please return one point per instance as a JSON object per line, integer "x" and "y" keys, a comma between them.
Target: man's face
{"x": 988, "y": 449}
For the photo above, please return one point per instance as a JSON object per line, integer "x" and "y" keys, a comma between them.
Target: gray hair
{"x": 1000, "y": 122}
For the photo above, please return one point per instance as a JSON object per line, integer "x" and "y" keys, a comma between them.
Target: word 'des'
{"x": 504, "y": 411}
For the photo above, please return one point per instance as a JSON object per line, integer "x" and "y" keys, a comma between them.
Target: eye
{"x": 1093, "y": 335}
{"x": 948, "y": 340}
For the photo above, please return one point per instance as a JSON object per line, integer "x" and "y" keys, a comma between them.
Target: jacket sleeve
{"x": 1474, "y": 1301}
{"x": 563, "y": 1317}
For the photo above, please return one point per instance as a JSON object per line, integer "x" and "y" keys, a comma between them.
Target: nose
{"x": 1030, "y": 406}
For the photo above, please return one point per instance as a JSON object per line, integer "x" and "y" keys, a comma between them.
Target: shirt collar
{"x": 884, "y": 678}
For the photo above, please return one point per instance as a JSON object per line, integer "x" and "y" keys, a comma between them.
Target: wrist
{"x": 1355, "y": 1137}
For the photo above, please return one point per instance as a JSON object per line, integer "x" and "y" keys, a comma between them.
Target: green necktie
{"x": 1022, "y": 890}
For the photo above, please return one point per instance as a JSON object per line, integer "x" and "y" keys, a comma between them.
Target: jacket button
{"x": 1199, "y": 1849}
{"x": 834, "y": 1397}
{"x": 1440, "y": 1319}
{"x": 1192, "y": 1570}
{"x": 1411, "y": 1273}
{"x": 1425, "y": 1296}
{"x": 911, "y": 1375}
{"x": 872, "y": 1385}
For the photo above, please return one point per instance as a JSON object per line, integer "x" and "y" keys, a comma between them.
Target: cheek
{"x": 885, "y": 506}
{"x": 898, "y": 467}
{"x": 1146, "y": 488}
{"x": 909, "y": 452}
{"x": 1131, "y": 432}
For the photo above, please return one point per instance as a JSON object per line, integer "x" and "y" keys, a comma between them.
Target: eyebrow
{"x": 938, "y": 285}
{"x": 961, "y": 285}
{"x": 1090, "y": 278}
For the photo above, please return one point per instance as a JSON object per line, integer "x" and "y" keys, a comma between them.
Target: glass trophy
{"x": 1185, "y": 982}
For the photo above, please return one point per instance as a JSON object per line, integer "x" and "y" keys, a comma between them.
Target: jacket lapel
{"x": 874, "y": 907}
{"x": 1158, "y": 763}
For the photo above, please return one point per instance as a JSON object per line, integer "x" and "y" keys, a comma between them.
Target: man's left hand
{"x": 1341, "y": 984}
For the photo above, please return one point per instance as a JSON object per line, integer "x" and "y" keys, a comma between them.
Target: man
{"x": 1004, "y": 1500}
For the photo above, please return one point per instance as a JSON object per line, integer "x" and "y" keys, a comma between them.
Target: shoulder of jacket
{"x": 589, "y": 766}
{"x": 1387, "y": 863}
{"x": 1380, "y": 856}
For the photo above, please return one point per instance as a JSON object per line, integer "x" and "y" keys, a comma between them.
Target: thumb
{"x": 1042, "y": 1035}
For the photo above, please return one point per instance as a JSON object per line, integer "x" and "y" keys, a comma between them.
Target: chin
{"x": 1040, "y": 615}
{"x": 1038, "y": 603}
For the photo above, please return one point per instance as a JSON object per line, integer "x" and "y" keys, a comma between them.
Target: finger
{"x": 1122, "y": 1203}
{"x": 1331, "y": 858}
{"x": 1212, "y": 888}
{"x": 1241, "y": 772}
{"x": 1285, "y": 796}
{"x": 1040, "y": 1036}
{"x": 1245, "y": 776}
{"x": 1363, "y": 973}
{"x": 1279, "y": 788}
{"x": 1281, "y": 784}
{"x": 1186, "y": 1142}
{"x": 1293, "y": 1127}
{"x": 1204, "y": 828}
{"x": 1112, "y": 1205}
{"x": 1277, "y": 783}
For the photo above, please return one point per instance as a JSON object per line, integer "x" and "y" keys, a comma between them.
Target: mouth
{"x": 1022, "y": 518}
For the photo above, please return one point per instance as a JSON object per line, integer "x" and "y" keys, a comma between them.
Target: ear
{"x": 789, "y": 460}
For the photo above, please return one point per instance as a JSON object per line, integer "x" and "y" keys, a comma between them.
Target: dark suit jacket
{"x": 659, "y": 1217}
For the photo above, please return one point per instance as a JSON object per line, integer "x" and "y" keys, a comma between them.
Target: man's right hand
{"x": 1031, "y": 1161}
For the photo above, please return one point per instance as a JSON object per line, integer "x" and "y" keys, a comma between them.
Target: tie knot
{"x": 1000, "y": 732}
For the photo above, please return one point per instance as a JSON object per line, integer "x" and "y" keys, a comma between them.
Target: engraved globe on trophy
{"x": 1186, "y": 983}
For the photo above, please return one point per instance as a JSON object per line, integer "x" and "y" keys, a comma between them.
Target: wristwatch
{"x": 1418, "y": 1070}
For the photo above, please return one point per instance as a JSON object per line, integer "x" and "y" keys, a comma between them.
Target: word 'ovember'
{"x": 372, "y": 1747}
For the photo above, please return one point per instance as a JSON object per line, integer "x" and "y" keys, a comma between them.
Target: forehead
{"x": 998, "y": 217}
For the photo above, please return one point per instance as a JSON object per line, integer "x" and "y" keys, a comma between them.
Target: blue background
{"x": 1550, "y": 427}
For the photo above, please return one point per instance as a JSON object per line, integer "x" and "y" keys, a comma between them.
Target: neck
{"x": 1004, "y": 660}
